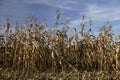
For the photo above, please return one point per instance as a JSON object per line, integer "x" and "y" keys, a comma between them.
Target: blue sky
{"x": 99, "y": 11}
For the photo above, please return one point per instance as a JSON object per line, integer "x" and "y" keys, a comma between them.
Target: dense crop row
{"x": 34, "y": 48}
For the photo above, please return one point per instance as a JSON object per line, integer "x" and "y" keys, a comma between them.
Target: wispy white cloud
{"x": 75, "y": 22}
{"x": 102, "y": 13}
{"x": 66, "y": 4}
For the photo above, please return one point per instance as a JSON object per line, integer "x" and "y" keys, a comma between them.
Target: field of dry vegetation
{"x": 33, "y": 52}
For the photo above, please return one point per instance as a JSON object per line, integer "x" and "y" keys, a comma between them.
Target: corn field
{"x": 33, "y": 52}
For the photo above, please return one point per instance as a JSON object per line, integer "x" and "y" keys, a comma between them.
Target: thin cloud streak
{"x": 102, "y": 13}
{"x": 98, "y": 14}
{"x": 67, "y": 4}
